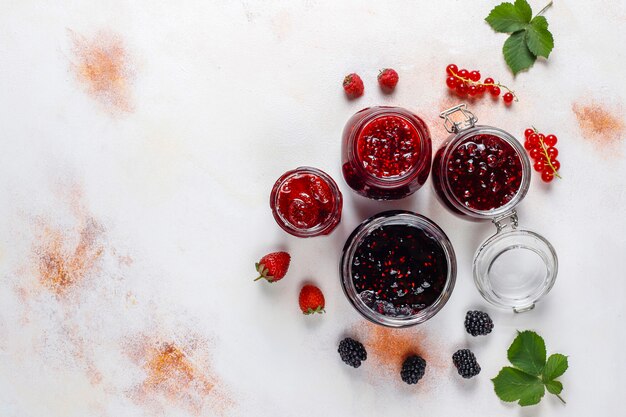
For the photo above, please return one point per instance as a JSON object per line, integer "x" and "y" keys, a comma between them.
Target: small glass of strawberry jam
{"x": 306, "y": 202}
{"x": 386, "y": 152}
{"x": 398, "y": 268}
{"x": 483, "y": 173}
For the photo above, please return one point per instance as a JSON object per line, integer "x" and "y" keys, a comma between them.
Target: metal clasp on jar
{"x": 506, "y": 220}
{"x": 458, "y": 118}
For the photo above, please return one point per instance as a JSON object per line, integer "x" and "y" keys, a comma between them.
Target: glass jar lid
{"x": 514, "y": 268}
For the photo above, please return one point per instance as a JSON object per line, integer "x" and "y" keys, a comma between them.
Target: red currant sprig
{"x": 466, "y": 82}
{"x": 542, "y": 150}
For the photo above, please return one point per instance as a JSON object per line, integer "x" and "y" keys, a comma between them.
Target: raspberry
{"x": 478, "y": 323}
{"x": 353, "y": 85}
{"x": 466, "y": 363}
{"x": 388, "y": 78}
{"x": 413, "y": 369}
{"x": 352, "y": 352}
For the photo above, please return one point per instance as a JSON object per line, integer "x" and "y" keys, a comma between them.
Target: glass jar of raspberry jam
{"x": 306, "y": 202}
{"x": 483, "y": 173}
{"x": 398, "y": 268}
{"x": 386, "y": 153}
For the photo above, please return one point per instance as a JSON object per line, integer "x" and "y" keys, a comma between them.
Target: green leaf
{"x": 528, "y": 352}
{"x": 508, "y": 18}
{"x": 516, "y": 53}
{"x": 538, "y": 38}
{"x": 524, "y": 8}
{"x": 555, "y": 366}
{"x": 514, "y": 385}
{"x": 554, "y": 387}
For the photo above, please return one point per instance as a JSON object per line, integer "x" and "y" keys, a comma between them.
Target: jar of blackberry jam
{"x": 386, "y": 153}
{"x": 398, "y": 268}
{"x": 306, "y": 202}
{"x": 483, "y": 173}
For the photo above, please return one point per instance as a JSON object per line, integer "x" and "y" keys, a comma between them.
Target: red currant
{"x": 472, "y": 90}
{"x": 533, "y": 140}
{"x": 464, "y": 73}
{"x": 556, "y": 164}
{"x": 462, "y": 89}
{"x": 534, "y": 153}
{"x": 488, "y": 81}
{"x": 474, "y": 75}
{"x": 452, "y": 69}
{"x": 451, "y": 82}
{"x": 481, "y": 88}
{"x": 508, "y": 98}
{"x": 539, "y": 166}
{"x": 552, "y": 152}
{"x": 528, "y": 132}
{"x": 550, "y": 140}
{"x": 547, "y": 175}
{"x": 494, "y": 91}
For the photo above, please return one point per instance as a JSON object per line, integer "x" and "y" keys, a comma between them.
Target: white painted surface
{"x": 229, "y": 95}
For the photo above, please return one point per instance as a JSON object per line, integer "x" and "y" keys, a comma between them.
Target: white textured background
{"x": 224, "y": 96}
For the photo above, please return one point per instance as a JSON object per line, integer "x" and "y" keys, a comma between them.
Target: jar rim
{"x": 363, "y": 230}
{"x": 406, "y": 115}
{"x": 332, "y": 220}
{"x": 519, "y": 150}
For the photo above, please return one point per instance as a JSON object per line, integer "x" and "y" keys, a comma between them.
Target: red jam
{"x": 306, "y": 202}
{"x": 399, "y": 270}
{"x": 386, "y": 153}
{"x": 388, "y": 146}
{"x": 484, "y": 172}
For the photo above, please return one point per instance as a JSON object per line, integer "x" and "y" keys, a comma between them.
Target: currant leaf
{"x": 511, "y": 384}
{"x": 538, "y": 38}
{"x": 555, "y": 366}
{"x": 508, "y": 18}
{"x": 516, "y": 53}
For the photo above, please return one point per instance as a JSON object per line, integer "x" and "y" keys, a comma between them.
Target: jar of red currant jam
{"x": 306, "y": 202}
{"x": 386, "y": 153}
{"x": 398, "y": 268}
{"x": 483, "y": 173}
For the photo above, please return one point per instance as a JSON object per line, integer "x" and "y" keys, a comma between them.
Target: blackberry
{"x": 352, "y": 352}
{"x": 465, "y": 363}
{"x": 413, "y": 369}
{"x": 478, "y": 323}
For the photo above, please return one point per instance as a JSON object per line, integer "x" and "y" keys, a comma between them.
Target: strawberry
{"x": 353, "y": 85}
{"x": 273, "y": 266}
{"x": 388, "y": 78}
{"x": 311, "y": 300}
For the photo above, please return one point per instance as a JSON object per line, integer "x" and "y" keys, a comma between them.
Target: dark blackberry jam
{"x": 398, "y": 268}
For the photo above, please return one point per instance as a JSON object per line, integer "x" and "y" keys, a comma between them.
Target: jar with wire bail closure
{"x": 483, "y": 173}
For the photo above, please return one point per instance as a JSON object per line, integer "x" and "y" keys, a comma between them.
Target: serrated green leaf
{"x": 528, "y": 352}
{"x": 524, "y": 8}
{"x": 507, "y": 18}
{"x": 555, "y": 366}
{"x": 514, "y": 385}
{"x": 538, "y": 38}
{"x": 516, "y": 53}
{"x": 554, "y": 387}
